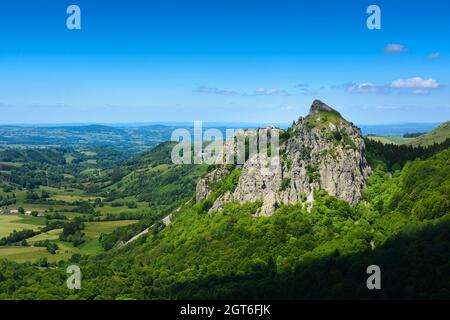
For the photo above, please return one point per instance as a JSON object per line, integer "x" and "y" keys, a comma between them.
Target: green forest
{"x": 402, "y": 225}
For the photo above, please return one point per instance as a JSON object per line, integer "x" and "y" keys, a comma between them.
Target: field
{"x": 23, "y": 254}
{"x": 63, "y": 185}
{"x": 391, "y": 139}
{"x": 91, "y": 246}
{"x": 93, "y": 231}
{"x": 65, "y": 205}
{"x": 69, "y": 196}
{"x": 9, "y": 223}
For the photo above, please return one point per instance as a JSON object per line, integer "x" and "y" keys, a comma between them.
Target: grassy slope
{"x": 322, "y": 118}
{"x": 438, "y": 135}
{"x": 9, "y": 223}
{"x": 294, "y": 253}
{"x": 30, "y": 254}
{"x": 151, "y": 176}
{"x": 93, "y": 231}
{"x": 391, "y": 139}
{"x": 225, "y": 243}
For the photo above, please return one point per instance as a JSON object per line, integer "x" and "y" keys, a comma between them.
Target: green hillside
{"x": 402, "y": 225}
{"x": 120, "y": 197}
{"x": 153, "y": 178}
{"x": 438, "y": 135}
{"x": 390, "y": 139}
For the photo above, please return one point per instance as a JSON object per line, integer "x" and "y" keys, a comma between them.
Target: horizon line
{"x": 183, "y": 123}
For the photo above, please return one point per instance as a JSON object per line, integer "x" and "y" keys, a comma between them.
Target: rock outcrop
{"x": 318, "y": 105}
{"x": 320, "y": 151}
{"x": 203, "y": 188}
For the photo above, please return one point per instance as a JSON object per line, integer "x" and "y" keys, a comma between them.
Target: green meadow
{"x": 9, "y": 223}
{"x": 391, "y": 139}
{"x": 91, "y": 246}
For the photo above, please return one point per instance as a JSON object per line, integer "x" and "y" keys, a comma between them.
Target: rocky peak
{"x": 318, "y": 105}
{"x": 321, "y": 151}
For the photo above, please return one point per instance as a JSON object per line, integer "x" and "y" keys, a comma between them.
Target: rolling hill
{"x": 399, "y": 221}
{"x": 438, "y": 135}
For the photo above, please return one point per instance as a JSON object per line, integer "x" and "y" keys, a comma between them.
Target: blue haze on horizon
{"x": 223, "y": 61}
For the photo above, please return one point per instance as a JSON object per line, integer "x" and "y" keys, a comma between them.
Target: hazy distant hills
{"x": 131, "y": 139}
{"x": 138, "y": 137}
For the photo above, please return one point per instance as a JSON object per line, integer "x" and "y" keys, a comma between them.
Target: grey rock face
{"x": 318, "y": 105}
{"x": 203, "y": 188}
{"x": 323, "y": 151}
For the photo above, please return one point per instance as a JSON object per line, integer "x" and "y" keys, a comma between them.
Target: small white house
{"x": 14, "y": 211}
{"x": 28, "y": 213}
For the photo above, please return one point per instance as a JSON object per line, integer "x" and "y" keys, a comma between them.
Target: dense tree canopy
{"x": 402, "y": 225}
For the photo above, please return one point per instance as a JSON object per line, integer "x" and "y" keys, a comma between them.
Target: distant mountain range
{"x": 141, "y": 137}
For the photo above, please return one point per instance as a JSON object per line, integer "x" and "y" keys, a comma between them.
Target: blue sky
{"x": 223, "y": 60}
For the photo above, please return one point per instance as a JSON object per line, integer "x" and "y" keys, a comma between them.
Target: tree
{"x": 42, "y": 262}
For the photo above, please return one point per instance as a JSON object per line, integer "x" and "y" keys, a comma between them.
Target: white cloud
{"x": 434, "y": 55}
{"x": 257, "y": 92}
{"x": 270, "y": 92}
{"x": 305, "y": 90}
{"x": 363, "y": 88}
{"x": 415, "y": 83}
{"x": 209, "y": 90}
{"x": 395, "y": 47}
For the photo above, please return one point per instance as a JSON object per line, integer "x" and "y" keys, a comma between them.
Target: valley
{"x": 338, "y": 201}
{"x": 103, "y": 193}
